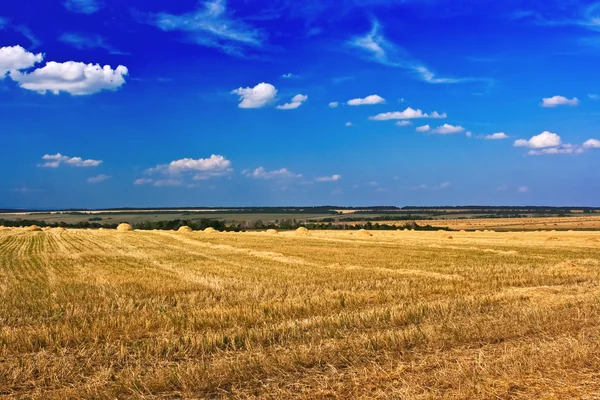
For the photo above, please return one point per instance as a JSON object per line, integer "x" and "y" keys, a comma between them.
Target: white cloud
{"x": 296, "y": 102}
{"x": 87, "y": 41}
{"x": 261, "y": 173}
{"x": 562, "y": 149}
{"x": 441, "y": 186}
{"x": 82, "y": 6}
{"x": 409, "y": 113}
{"x": 98, "y": 178}
{"x": 543, "y": 140}
{"x": 211, "y": 26}
{"x": 334, "y": 104}
{"x": 468, "y": 134}
{"x": 369, "y": 100}
{"x": 559, "y": 101}
{"x": 289, "y": 75}
{"x": 256, "y": 97}
{"x": 199, "y": 169}
{"x": 17, "y": 58}
{"x": 332, "y": 178}
{"x": 424, "y": 128}
{"x": 159, "y": 182}
{"x": 378, "y": 49}
{"x": 592, "y": 144}
{"x": 594, "y": 96}
{"x": 496, "y": 136}
{"x": 447, "y": 129}
{"x": 523, "y": 189}
{"x": 72, "y": 77}
{"x": 55, "y": 160}
{"x": 403, "y": 123}
{"x": 348, "y": 123}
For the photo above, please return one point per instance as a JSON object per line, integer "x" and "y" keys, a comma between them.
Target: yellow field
{"x": 512, "y": 224}
{"x": 335, "y": 315}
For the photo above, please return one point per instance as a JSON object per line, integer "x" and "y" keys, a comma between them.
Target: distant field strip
{"x": 90, "y": 314}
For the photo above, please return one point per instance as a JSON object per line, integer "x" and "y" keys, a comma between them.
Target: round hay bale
{"x": 272, "y": 231}
{"x": 46, "y": 228}
{"x": 61, "y": 229}
{"x": 450, "y": 237}
{"x": 302, "y": 231}
{"x": 124, "y": 228}
{"x": 33, "y": 228}
{"x": 363, "y": 232}
{"x": 100, "y": 229}
{"x": 184, "y": 229}
{"x": 210, "y": 230}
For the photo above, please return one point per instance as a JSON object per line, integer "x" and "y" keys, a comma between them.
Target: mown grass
{"x": 101, "y": 314}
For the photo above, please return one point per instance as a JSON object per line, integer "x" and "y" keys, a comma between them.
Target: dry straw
{"x": 124, "y": 228}
{"x": 33, "y": 228}
{"x": 184, "y": 229}
{"x": 210, "y": 230}
{"x": 302, "y": 231}
{"x": 272, "y": 231}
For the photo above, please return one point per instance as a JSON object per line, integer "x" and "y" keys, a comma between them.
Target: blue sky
{"x": 242, "y": 103}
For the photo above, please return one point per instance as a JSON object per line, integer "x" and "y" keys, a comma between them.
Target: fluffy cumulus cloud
{"x": 409, "y": 113}
{"x": 71, "y": 77}
{"x": 256, "y": 97}
{"x": 447, "y": 129}
{"x": 332, "y": 178}
{"x": 296, "y": 102}
{"x": 592, "y": 144}
{"x": 369, "y": 100}
{"x": 543, "y": 140}
{"x": 496, "y": 136}
{"x": 403, "y": 123}
{"x": 262, "y": 173}
{"x": 424, "y": 128}
{"x": 559, "y": 101}
{"x": 178, "y": 172}
{"x": 98, "y": 178}
{"x": 334, "y": 104}
{"x": 14, "y": 58}
{"x": 56, "y": 160}
{"x": 548, "y": 143}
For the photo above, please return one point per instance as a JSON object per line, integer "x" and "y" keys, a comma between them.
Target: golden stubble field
{"x": 333, "y": 315}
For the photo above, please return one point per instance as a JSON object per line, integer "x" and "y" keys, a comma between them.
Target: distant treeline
{"x": 204, "y": 223}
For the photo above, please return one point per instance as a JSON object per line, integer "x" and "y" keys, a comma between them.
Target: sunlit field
{"x": 334, "y": 315}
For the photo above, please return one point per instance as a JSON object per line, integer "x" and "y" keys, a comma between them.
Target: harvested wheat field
{"x": 397, "y": 315}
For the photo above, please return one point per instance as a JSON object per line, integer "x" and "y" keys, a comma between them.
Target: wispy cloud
{"x": 448, "y": 129}
{"x": 378, "y": 49}
{"x": 211, "y": 26}
{"x": 332, "y": 178}
{"x": 262, "y": 173}
{"x": 83, "y": 41}
{"x": 28, "y": 33}
{"x": 98, "y": 178}
{"x": 56, "y": 160}
{"x": 82, "y": 6}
